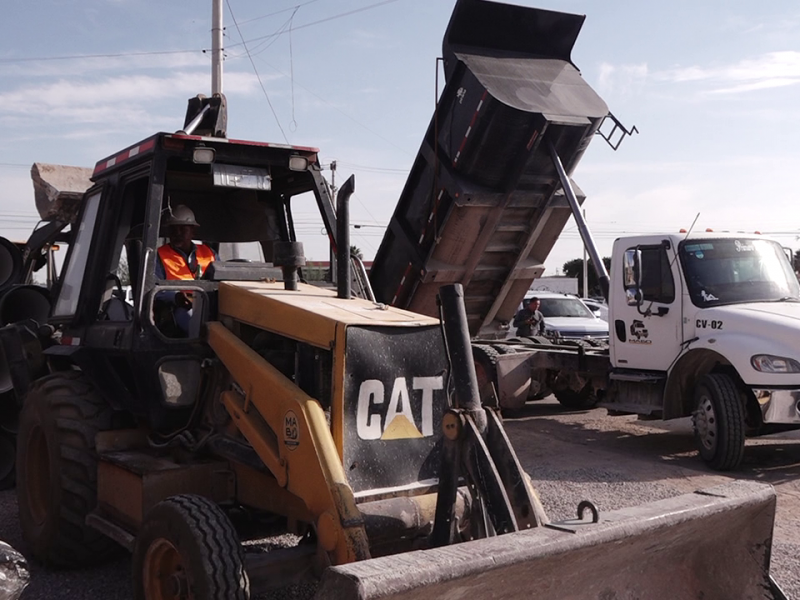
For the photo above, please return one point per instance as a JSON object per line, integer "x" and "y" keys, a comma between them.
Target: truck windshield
{"x": 732, "y": 271}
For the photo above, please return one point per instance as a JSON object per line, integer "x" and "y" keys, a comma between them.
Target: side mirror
{"x": 632, "y": 264}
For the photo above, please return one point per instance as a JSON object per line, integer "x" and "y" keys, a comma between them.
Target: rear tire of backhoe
{"x": 57, "y": 470}
{"x": 188, "y": 548}
{"x": 719, "y": 422}
{"x": 8, "y": 453}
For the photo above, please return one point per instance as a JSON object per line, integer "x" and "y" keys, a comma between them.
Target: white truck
{"x": 705, "y": 325}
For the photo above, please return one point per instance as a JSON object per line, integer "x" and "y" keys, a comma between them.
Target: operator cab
{"x": 242, "y": 194}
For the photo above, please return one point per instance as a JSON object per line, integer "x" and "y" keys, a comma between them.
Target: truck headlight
{"x": 767, "y": 363}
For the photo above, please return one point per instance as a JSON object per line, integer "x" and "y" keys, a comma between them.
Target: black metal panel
{"x": 394, "y": 398}
{"x": 493, "y": 28}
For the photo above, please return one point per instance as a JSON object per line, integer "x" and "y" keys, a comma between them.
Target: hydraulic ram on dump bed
{"x": 483, "y": 204}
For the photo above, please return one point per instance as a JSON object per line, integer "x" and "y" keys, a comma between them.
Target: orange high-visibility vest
{"x": 175, "y": 265}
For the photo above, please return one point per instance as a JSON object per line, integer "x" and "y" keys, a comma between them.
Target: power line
{"x": 327, "y": 19}
{"x": 277, "y": 12}
{"x": 83, "y": 56}
{"x": 263, "y": 89}
{"x": 167, "y": 52}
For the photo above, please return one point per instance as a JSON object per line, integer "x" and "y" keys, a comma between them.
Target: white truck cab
{"x": 706, "y": 325}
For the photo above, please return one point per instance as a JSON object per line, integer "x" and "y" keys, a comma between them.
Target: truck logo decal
{"x": 397, "y": 420}
{"x": 639, "y": 333}
{"x": 705, "y": 324}
{"x": 708, "y": 297}
{"x": 741, "y": 247}
{"x": 291, "y": 430}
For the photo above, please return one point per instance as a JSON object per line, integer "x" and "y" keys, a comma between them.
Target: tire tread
{"x": 730, "y": 415}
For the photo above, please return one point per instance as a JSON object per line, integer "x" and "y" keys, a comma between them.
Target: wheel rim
{"x": 37, "y": 474}
{"x": 163, "y": 575}
{"x": 705, "y": 423}
{"x": 8, "y": 455}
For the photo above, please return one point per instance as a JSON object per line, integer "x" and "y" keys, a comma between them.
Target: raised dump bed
{"x": 482, "y": 205}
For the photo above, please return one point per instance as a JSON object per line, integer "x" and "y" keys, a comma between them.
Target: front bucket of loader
{"x": 712, "y": 544}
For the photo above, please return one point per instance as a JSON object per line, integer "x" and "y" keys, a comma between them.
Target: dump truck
{"x": 286, "y": 408}
{"x": 488, "y": 196}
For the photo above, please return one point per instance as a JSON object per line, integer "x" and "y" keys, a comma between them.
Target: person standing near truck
{"x": 529, "y": 321}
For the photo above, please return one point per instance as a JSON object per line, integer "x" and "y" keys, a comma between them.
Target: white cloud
{"x": 622, "y": 79}
{"x": 109, "y": 100}
{"x": 774, "y": 69}
{"x": 82, "y": 66}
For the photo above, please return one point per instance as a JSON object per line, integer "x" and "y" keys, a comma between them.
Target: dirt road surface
{"x": 571, "y": 456}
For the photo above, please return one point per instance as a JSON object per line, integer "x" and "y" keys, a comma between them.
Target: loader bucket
{"x": 58, "y": 190}
{"x": 712, "y": 544}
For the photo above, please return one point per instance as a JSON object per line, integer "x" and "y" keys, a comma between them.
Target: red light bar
{"x": 126, "y": 154}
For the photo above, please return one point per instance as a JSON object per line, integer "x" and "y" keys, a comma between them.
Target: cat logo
{"x": 397, "y": 421}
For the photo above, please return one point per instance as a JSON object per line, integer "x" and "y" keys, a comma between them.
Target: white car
{"x": 566, "y": 316}
{"x": 598, "y": 308}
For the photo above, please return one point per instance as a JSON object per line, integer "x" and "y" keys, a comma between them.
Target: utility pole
{"x": 216, "y": 47}
{"x": 331, "y": 253}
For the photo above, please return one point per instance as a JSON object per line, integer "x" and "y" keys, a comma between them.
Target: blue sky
{"x": 713, "y": 88}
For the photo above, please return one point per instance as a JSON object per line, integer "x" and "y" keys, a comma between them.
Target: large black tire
{"x": 57, "y": 470}
{"x": 188, "y": 548}
{"x": 485, "y": 359}
{"x": 8, "y": 454}
{"x": 719, "y": 422}
{"x": 504, "y": 349}
{"x": 577, "y": 400}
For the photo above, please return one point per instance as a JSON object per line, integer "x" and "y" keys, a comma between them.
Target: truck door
{"x": 645, "y": 335}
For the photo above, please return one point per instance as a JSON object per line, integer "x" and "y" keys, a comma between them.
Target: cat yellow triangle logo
{"x": 400, "y": 429}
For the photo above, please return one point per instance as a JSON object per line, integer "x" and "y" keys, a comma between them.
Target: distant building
{"x": 317, "y": 270}
{"x": 556, "y": 283}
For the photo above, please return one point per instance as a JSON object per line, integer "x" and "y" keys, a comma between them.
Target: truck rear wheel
{"x": 577, "y": 400}
{"x": 485, "y": 359}
{"x": 57, "y": 470}
{"x": 188, "y": 548}
{"x": 719, "y": 422}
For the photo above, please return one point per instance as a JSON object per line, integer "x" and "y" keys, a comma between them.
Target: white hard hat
{"x": 181, "y": 215}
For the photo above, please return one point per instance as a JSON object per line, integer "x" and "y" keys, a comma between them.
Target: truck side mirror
{"x": 632, "y": 263}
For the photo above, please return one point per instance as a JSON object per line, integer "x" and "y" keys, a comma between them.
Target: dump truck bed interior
{"x": 482, "y": 205}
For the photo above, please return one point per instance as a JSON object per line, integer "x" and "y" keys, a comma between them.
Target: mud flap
{"x": 513, "y": 379}
{"x": 713, "y": 544}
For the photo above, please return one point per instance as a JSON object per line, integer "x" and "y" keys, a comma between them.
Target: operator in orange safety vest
{"x": 181, "y": 258}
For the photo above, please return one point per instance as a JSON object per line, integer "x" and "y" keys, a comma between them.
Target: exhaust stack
{"x": 343, "y": 237}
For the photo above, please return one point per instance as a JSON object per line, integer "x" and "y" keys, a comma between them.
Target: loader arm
{"x": 318, "y": 476}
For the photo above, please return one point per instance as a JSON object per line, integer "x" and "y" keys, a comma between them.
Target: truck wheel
{"x": 188, "y": 548}
{"x": 485, "y": 358}
{"x": 8, "y": 453}
{"x": 57, "y": 470}
{"x": 504, "y": 349}
{"x": 580, "y": 400}
{"x": 719, "y": 421}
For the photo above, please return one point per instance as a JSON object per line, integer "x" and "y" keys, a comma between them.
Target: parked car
{"x": 567, "y": 317}
{"x": 598, "y": 307}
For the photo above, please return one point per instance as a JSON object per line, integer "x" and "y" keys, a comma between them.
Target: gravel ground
{"x": 571, "y": 456}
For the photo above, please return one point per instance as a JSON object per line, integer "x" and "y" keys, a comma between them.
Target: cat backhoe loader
{"x": 285, "y": 408}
